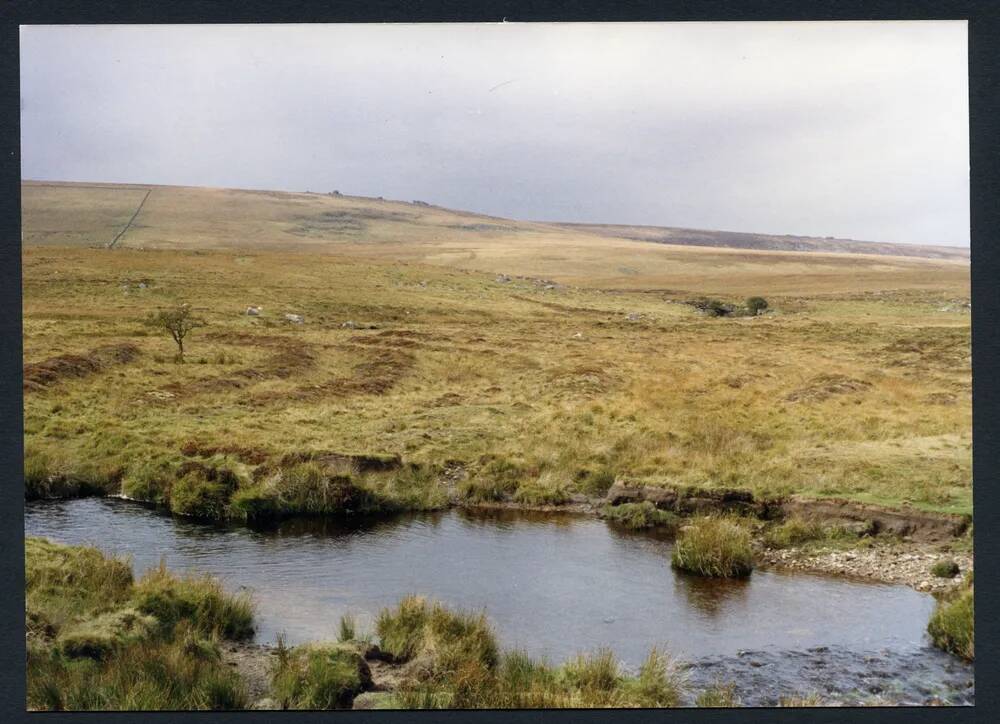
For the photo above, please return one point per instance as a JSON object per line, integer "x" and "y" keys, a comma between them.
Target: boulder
{"x": 294, "y": 318}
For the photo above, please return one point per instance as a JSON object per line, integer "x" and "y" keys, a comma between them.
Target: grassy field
{"x": 855, "y": 384}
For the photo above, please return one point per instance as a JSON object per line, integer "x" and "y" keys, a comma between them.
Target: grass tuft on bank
{"x": 714, "y": 547}
{"x": 952, "y": 626}
{"x": 97, "y": 640}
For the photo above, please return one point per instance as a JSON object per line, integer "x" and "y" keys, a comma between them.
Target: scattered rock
{"x": 294, "y": 318}
{"x": 254, "y": 311}
{"x": 266, "y": 703}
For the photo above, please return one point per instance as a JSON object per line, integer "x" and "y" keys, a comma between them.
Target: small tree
{"x": 756, "y": 305}
{"x": 177, "y": 322}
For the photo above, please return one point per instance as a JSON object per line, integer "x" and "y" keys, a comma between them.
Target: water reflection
{"x": 555, "y": 585}
{"x": 710, "y": 596}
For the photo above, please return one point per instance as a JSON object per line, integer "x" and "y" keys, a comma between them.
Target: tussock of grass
{"x": 456, "y": 664}
{"x": 200, "y": 600}
{"x": 96, "y": 638}
{"x": 203, "y": 493}
{"x": 417, "y": 627}
{"x": 549, "y": 489}
{"x": 96, "y": 641}
{"x": 639, "y": 516}
{"x": 945, "y": 568}
{"x": 318, "y": 676}
{"x": 713, "y": 546}
{"x": 496, "y": 479}
{"x": 64, "y": 583}
{"x": 794, "y": 532}
{"x": 595, "y": 483}
{"x": 952, "y": 626}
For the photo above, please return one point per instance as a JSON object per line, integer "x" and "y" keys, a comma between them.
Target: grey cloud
{"x": 848, "y": 129}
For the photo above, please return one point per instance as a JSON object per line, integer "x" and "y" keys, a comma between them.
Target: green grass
{"x": 952, "y": 626}
{"x": 318, "y": 676}
{"x": 489, "y": 377}
{"x": 946, "y": 568}
{"x": 456, "y": 663}
{"x": 639, "y": 516}
{"x": 98, "y": 641}
{"x": 713, "y": 546}
{"x": 200, "y": 600}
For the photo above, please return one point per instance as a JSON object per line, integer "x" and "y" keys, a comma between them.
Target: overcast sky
{"x": 857, "y": 130}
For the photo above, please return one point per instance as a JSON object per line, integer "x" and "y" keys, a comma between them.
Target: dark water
{"x": 555, "y": 586}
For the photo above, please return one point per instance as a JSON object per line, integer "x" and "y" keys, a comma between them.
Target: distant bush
{"x": 638, "y": 516}
{"x": 756, "y": 305}
{"x": 714, "y": 547}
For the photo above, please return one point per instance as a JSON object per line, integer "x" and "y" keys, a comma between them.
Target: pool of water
{"x": 553, "y": 585}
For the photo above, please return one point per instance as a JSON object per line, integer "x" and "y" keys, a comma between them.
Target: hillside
{"x": 174, "y": 217}
{"x": 771, "y": 242}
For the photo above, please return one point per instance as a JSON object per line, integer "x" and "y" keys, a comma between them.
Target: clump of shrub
{"x": 945, "y": 569}
{"x": 713, "y": 546}
{"x": 318, "y": 676}
{"x": 756, "y": 305}
{"x": 199, "y": 600}
{"x": 952, "y": 626}
{"x": 639, "y": 516}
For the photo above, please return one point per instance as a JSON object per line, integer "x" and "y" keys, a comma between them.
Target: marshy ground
{"x": 436, "y": 358}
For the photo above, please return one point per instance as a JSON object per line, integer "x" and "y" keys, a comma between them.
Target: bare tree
{"x": 178, "y": 322}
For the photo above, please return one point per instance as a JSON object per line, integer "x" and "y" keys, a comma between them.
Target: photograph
{"x": 496, "y": 365}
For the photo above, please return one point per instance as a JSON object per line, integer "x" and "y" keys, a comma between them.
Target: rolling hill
{"x": 599, "y": 256}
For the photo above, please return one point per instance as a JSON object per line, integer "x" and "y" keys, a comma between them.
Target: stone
{"x": 266, "y": 703}
{"x": 254, "y": 311}
{"x": 294, "y": 318}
